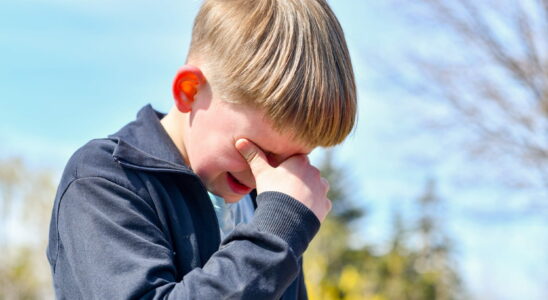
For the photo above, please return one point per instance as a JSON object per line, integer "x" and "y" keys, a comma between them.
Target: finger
{"x": 253, "y": 155}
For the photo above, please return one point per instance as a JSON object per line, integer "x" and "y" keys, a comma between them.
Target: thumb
{"x": 253, "y": 155}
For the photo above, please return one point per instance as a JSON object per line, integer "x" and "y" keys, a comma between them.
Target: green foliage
{"x": 344, "y": 210}
{"x": 26, "y": 195}
{"x": 335, "y": 270}
{"x": 18, "y": 279}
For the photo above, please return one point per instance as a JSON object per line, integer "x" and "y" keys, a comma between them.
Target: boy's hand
{"x": 295, "y": 177}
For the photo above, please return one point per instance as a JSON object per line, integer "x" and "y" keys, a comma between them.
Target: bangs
{"x": 288, "y": 58}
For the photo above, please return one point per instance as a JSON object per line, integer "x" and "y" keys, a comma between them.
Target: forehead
{"x": 253, "y": 124}
{"x": 280, "y": 144}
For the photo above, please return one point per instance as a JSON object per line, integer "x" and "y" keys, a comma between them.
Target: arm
{"x": 117, "y": 249}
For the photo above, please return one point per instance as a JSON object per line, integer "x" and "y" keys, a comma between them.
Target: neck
{"x": 173, "y": 124}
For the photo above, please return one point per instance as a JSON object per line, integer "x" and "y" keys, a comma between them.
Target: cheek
{"x": 235, "y": 162}
{"x": 214, "y": 163}
{"x": 230, "y": 160}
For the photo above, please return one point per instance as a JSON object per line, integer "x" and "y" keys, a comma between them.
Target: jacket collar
{"x": 144, "y": 144}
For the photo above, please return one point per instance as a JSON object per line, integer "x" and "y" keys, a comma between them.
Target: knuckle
{"x": 251, "y": 155}
{"x": 315, "y": 172}
{"x": 302, "y": 158}
{"x": 325, "y": 184}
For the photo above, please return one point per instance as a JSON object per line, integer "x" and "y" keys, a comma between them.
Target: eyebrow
{"x": 268, "y": 153}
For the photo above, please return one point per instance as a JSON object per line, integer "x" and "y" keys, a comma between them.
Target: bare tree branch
{"x": 494, "y": 80}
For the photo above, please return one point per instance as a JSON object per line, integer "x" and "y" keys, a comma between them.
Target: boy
{"x": 265, "y": 82}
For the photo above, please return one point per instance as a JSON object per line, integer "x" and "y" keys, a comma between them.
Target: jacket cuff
{"x": 287, "y": 218}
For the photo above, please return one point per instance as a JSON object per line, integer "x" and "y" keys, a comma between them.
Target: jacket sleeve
{"x": 116, "y": 247}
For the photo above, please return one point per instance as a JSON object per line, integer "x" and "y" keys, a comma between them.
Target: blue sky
{"x": 75, "y": 70}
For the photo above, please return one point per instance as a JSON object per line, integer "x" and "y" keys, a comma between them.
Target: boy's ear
{"x": 186, "y": 85}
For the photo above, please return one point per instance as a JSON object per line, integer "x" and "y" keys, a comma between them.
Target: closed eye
{"x": 271, "y": 157}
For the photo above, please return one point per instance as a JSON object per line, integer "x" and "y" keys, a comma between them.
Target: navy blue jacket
{"x": 131, "y": 221}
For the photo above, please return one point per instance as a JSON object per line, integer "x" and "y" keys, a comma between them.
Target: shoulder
{"x": 95, "y": 160}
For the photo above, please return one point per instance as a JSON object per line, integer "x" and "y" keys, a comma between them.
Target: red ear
{"x": 186, "y": 85}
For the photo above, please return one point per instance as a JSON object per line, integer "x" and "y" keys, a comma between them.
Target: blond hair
{"x": 286, "y": 57}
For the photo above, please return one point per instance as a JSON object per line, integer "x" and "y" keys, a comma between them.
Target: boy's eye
{"x": 271, "y": 158}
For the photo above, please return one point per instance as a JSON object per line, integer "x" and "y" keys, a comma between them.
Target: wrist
{"x": 282, "y": 215}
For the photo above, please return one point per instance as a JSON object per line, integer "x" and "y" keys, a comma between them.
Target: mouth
{"x": 236, "y": 186}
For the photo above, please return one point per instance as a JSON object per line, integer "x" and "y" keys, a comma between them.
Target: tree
{"x": 335, "y": 268}
{"x": 26, "y": 195}
{"x": 434, "y": 250}
{"x": 329, "y": 268}
{"x": 417, "y": 265}
{"x": 481, "y": 70}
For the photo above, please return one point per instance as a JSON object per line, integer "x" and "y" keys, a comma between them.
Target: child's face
{"x": 212, "y": 128}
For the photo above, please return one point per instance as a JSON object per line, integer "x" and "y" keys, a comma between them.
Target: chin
{"x": 232, "y": 198}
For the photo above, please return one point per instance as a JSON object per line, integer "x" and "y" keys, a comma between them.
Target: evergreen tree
{"x": 420, "y": 271}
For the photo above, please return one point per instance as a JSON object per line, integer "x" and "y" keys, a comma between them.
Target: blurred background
{"x": 440, "y": 193}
